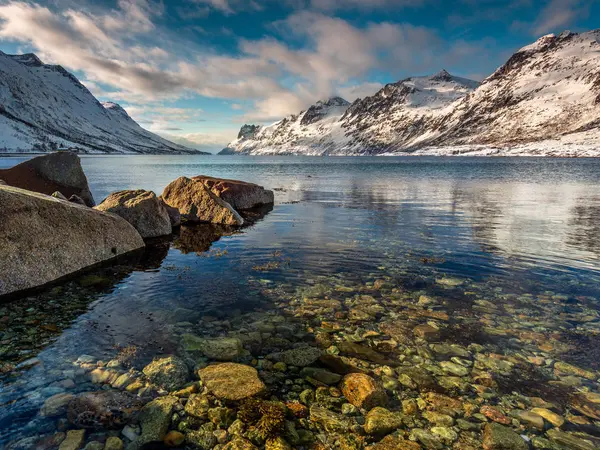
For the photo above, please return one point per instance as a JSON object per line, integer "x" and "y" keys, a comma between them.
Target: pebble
{"x": 550, "y": 416}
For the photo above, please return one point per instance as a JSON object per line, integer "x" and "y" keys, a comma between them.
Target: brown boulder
{"x": 44, "y": 239}
{"x": 140, "y": 208}
{"x": 239, "y": 194}
{"x": 60, "y": 171}
{"x": 363, "y": 391}
{"x": 198, "y": 204}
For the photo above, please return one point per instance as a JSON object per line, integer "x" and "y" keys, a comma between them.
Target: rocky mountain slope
{"x": 43, "y": 107}
{"x": 544, "y": 100}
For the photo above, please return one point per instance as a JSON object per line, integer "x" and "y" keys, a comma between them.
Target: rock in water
{"x": 221, "y": 349}
{"x": 197, "y": 204}
{"x": 155, "y": 418}
{"x": 103, "y": 409}
{"x": 74, "y": 440}
{"x": 499, "y": 437}
{"x": 142, "y": 209}
{"x": 60, "y": 171}
{"x": 56, "y": 405}
{"x": 231, "y": 381}
{"x": 43, "y": 238}
{"x": 301, "y": 356}
{"x": 363, "y": 391}
{"x": 169, "y": 373}
{"x": 239, "y": 194}
{"x": 382, "y": 421}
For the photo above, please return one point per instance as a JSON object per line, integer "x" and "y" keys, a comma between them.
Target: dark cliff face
{"x": 248, "y": 131}
{"x": 317, "y": 111}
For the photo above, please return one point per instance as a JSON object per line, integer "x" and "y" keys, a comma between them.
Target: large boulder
{"x": 198, "y": 204}
{"x": 60, "y": 171}
{"x": 142, "y": 209}
{"x": 239, "y": 194}
{"x": 43, "y": 238}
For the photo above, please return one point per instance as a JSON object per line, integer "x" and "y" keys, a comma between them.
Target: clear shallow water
{"x": 523, "y": 234}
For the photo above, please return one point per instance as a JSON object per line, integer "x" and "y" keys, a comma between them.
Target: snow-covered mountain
{"x": 44, "y": 107}
{"x": 544, "y": 100}
{"x": 313, "y": 131}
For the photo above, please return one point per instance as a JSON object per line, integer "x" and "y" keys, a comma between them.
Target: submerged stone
{"x": 331, "y": 421}
{"x": 300, "y": 357}
{"x": 170, "y": 373}
{"x": 220, "y": 349}
{"x": 382, "y": 421}
{"x": 232, "y": 381}
{"x": 363, "y": 391}
{"x": 155, "y": 418}
{"x": 500, "y": 437}
{"x": 73, "y": 441}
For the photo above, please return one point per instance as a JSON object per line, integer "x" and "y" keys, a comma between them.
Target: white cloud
{"x": 210, "y": 142}
{"x": 124, "y": 55}
{"x": 332, "y": 5}
{"x": 356, "y": 91}
{"x": 555, "y": 16}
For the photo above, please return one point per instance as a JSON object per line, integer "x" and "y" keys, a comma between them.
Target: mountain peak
{"x": 46, "y": 107}
{"x": 442, "y": 75}
{"x": 333, "y": 101}
{"x": 324, "y": 108}
{"x": 248, "y": 131}
{"x": 28, "y": 59}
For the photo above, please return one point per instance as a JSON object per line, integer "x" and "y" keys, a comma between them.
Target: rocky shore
{"x": 50, "y": 230}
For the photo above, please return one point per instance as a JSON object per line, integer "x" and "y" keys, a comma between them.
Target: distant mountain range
{"x": 44, "y": 107}
{"x": 545, "y": 100}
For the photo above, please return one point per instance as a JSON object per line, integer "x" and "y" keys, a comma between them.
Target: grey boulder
{"x": 142, "y": 209}
{"x": 43, "y": 239}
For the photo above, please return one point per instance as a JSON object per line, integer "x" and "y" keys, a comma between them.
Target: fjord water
{"x": 510, "y": 243}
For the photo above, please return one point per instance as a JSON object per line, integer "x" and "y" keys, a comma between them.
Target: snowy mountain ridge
{"x": 545, "y": 100}
{"x": 44, "y": 107}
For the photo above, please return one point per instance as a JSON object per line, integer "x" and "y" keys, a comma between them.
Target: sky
{"x": 194, "y": 71}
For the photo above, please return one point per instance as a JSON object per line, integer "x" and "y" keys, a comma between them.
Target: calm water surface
{"x": 511, "y": 245}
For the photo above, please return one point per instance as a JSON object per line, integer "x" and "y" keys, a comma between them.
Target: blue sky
{"x": 196, "y": 70}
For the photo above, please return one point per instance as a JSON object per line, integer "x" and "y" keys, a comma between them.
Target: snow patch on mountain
{"x": 43, "y": 107}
